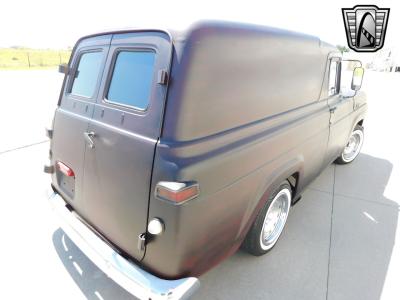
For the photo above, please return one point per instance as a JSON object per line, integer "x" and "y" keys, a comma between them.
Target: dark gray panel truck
{"x": 169, "y": 151}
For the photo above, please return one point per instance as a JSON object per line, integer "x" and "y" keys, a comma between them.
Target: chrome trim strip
{"x": 129, "y": 276}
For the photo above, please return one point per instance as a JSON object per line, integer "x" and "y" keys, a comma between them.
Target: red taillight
{"x": 177, "y": 191}
{"x": 67, "y": 171}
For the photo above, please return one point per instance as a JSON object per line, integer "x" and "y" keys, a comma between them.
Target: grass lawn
{"x": 24, "y": 58}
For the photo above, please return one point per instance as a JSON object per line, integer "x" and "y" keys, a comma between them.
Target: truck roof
{"x": 220, "y": 26}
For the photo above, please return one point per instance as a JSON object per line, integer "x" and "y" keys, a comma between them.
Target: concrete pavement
{"x": 341, "y": 240}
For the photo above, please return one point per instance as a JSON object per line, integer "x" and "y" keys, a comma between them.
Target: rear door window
{"x": 130, "y": 84}
{"x": 87, "y": 74}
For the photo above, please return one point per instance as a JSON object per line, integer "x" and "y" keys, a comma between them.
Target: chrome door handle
{"x": 89, "y": 138}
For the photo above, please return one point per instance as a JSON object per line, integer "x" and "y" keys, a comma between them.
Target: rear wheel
{"x": 353, "y": 147}
{"x": 270, "y": 222}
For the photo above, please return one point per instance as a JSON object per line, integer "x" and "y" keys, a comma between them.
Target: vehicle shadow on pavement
{"x": 363, "y": 229}
{"x": 94, "y": 284}
{"x": 338, "y": 240}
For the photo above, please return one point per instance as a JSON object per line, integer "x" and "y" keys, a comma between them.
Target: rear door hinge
{"x": 162, "y": 77}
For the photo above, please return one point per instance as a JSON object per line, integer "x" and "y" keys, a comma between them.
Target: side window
{"x": 333, "y": 72}
{"x": 87, "y": 74}
{"x": 131, "y": 80}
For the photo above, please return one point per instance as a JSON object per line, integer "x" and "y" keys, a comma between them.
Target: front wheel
{"x": 353, "y": 147}
{"x": 270, "y": 222}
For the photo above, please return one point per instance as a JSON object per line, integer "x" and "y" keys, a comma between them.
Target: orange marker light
{"x": 177, "y": 191}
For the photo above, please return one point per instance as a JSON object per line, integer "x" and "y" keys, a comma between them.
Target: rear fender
{"x": 272, "y": 182}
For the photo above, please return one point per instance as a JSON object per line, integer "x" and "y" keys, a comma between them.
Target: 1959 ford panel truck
{"x": 169, "y": 151}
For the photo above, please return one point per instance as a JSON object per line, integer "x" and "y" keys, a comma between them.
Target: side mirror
{"x": 358, "y": 75}
{"x": 63, "y": 68}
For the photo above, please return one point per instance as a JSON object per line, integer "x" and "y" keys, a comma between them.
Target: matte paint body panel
{"x": 230, "y": 75}
{"x": 118, "y": 170}
{"x": 71, "y": 120}
{"x": 236, "y": 172}
{"x": 247, "y": 107}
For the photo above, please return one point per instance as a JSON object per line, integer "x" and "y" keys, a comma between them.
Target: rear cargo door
{"x": 123, "y": 134}
{"x": 73, "y": 114}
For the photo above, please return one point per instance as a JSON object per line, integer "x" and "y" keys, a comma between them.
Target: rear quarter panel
{"x": 237, "y": 171}
{"x": 243, "y": 113}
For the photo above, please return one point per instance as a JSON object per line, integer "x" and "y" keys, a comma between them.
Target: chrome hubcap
{"x": 353, "y": 146}
{"x": 275, "y": 219}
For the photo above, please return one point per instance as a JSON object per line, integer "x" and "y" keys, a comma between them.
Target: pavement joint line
{"x": 330, "y": 236}
{"x": 22, "y": 147}
{"x": 355, "y": 197}
{"x": 318, "y": 190}
{"x": 369, "y": 200}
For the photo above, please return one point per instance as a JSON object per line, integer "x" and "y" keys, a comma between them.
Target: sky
{"x": 56, "y": 24}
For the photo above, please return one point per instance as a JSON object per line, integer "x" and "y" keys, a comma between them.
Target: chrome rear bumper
{"x": 129, "y": 276}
